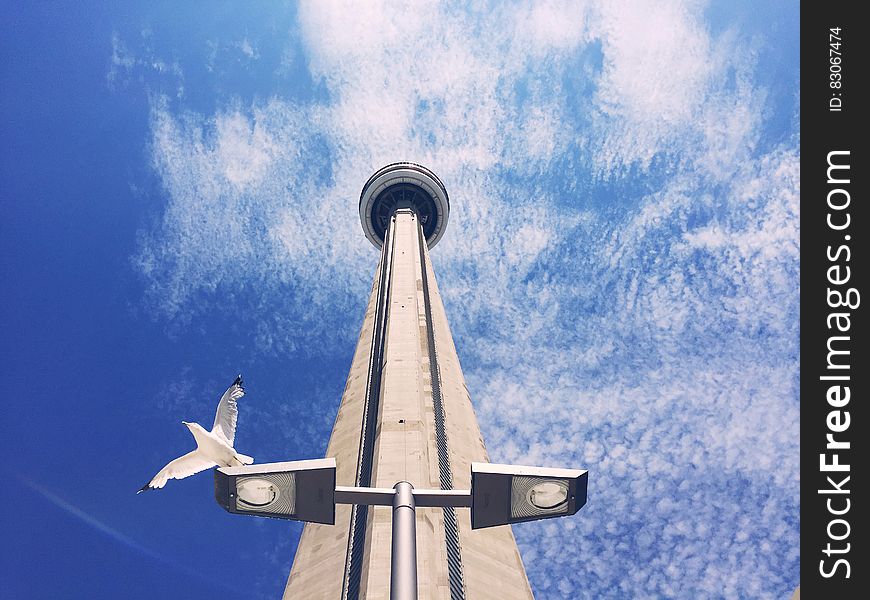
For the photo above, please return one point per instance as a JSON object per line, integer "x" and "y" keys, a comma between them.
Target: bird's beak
{"x": 185, "y": 423}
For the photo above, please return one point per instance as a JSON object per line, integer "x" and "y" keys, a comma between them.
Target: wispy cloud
{"x": 126, "y": 66}
{"x": 620, "y": 268}
{"x": 93, "y": 522}
{"x": 120, "y": 537}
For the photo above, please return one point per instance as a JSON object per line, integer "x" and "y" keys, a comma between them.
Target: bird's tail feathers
{"x": 242, "y": 459}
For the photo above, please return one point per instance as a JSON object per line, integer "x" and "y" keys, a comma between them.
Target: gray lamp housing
{"x": 302, "y": 490}
{"x": 504, "y": 494}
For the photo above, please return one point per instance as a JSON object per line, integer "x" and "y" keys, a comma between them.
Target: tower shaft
{"x": 406, "y": 415}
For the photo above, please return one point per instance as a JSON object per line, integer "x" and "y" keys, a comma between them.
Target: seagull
{"x": 213, "y": 447}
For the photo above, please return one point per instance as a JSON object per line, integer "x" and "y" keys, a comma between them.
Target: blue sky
{"x": 620, "y": 271}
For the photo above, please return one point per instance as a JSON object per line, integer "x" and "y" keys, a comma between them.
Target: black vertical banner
{"x": 834, "y": 370}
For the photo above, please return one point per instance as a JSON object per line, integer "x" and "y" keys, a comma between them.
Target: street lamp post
{"x": 305, "y": 490}
{"x": 403, "y": 556}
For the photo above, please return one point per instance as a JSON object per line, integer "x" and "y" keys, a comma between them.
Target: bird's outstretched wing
{"x": 228, "y": 412}
{"x": 181, "y": 467}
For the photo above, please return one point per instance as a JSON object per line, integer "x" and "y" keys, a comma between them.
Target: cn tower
{"x": 405, "y": 415}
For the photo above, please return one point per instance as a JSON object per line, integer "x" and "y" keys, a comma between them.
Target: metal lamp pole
{"x": 404, "y": 499}
{"x": 403, "y": 559}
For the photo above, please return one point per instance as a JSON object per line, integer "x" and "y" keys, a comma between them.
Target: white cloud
{"x": 248, "y": 49}
{"x": 126, "y": 66}
{"x": 119, "y": 537}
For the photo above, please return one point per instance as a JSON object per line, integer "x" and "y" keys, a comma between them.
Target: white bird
{"x": 213, "y": 447}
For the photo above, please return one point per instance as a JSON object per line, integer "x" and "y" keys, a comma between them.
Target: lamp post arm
{"x": 443, "y": 498}
{"x": 384, "y": 497}
{"x": 364, "y": 495}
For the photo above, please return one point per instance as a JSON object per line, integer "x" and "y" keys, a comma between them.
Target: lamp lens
{"x": 538, "y": 496}
{"x": 255, "y": 492}
{"x": 268, "y": 493}
{"x": 548, "y": 495}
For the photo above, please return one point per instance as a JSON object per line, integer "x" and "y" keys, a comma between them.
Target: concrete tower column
{"x": 405, "y": 415}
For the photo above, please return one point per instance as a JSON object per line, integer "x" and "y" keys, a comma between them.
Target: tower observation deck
{"x": 405, "y": 415}
{"x": 404, "y": 185}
